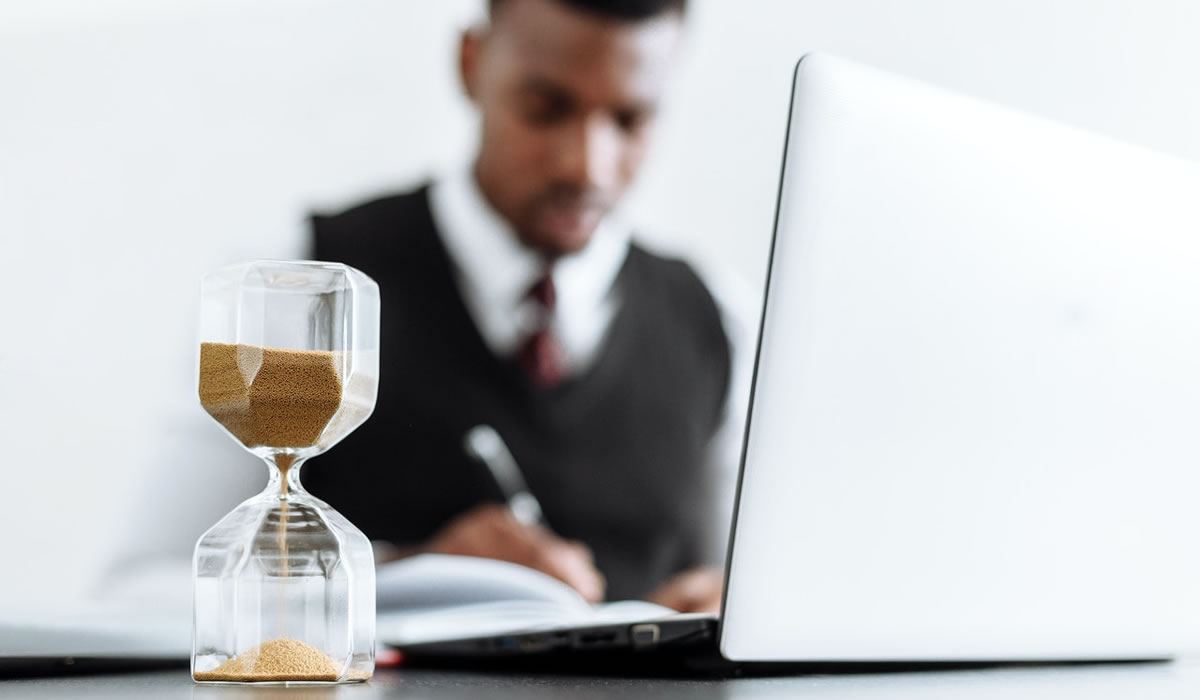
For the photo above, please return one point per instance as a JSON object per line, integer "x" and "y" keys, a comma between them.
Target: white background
{"x": 143, "y": 143}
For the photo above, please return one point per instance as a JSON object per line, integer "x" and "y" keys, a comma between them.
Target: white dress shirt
{"x": 495, "y": 272}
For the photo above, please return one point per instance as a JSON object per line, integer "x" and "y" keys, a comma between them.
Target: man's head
{"x": 567, "y": 91}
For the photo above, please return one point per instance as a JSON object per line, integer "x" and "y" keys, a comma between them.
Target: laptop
{"x": 971, "y": 434}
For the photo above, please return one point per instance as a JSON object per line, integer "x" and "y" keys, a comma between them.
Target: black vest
{"x": 616, "y": 455}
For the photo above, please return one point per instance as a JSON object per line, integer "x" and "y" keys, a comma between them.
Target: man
{"x": 513, "y": 298}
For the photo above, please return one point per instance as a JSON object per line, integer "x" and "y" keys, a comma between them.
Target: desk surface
{"x": 1143, "y": 681}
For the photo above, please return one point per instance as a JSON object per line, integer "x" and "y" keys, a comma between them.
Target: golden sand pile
{"x": 276, "y": 660}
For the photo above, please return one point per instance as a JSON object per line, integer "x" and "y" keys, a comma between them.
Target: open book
{"x": 427, "y": 597}
{"x": 432, "y": 597}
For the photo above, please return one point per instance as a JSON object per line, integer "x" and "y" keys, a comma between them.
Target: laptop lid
{"x": 977, "y": 391}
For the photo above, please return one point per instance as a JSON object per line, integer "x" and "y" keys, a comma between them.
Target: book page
{"x": 436, "y": 597}
{"x": 476, "y": 620}
{"x": 628, "y": 611}
{"x": 428, "y": 581}
{"x": 506, "y": 617}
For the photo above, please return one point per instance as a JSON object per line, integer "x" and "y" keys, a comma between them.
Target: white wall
{"x": 143, "y": 143}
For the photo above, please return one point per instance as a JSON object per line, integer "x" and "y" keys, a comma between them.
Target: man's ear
{"x": 470, "y": 48}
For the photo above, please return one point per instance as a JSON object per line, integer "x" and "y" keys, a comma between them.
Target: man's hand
{"x": 491, "y": 531}
{"x": 694, "y": 590}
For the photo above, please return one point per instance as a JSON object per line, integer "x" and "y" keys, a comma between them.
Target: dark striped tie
{"x": 541, "y": 356}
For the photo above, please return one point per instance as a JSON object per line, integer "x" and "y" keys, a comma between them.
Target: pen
{"x": 484, "y": 444}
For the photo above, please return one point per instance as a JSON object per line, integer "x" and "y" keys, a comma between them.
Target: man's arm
{"x": 491, "y": 531}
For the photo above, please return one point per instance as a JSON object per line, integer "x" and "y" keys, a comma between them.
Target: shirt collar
{"x": 496, "y": 270}
{"x": 488, "y": 256}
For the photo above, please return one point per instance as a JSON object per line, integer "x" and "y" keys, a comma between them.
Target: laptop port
{"x": 506, "y": 643}
{"x": 644, "y": 635}
{"x": 597, "y": 638}
{"x": 532, "y": 643}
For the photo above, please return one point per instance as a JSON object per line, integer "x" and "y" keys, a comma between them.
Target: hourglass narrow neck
{"x": 283, "y": 474}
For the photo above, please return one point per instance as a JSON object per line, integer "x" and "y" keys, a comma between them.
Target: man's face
{"x": 567, "y": 100}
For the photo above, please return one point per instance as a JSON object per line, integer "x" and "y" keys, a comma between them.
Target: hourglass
{"x": 289, "y": 365}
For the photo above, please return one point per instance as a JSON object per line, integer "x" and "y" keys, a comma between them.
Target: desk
{"x": 1143, "y": 681}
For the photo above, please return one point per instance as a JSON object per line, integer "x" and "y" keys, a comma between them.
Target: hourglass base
{"x": 284, "y": 594}
{"x": 284, "y": 684}
{"x": 277, "y": 666}
{"x": 351, "y": 678}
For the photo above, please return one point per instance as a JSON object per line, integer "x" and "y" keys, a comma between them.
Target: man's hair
{"x": 630, "y": 10}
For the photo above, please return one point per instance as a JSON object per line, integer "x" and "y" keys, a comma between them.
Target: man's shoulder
{"x": 382, "y": 209}
{"x": 364, "y": 228}
{"x": 696, "y": 292}
{"x": 675, "y": 288}
{"x": 664, "y": 272}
